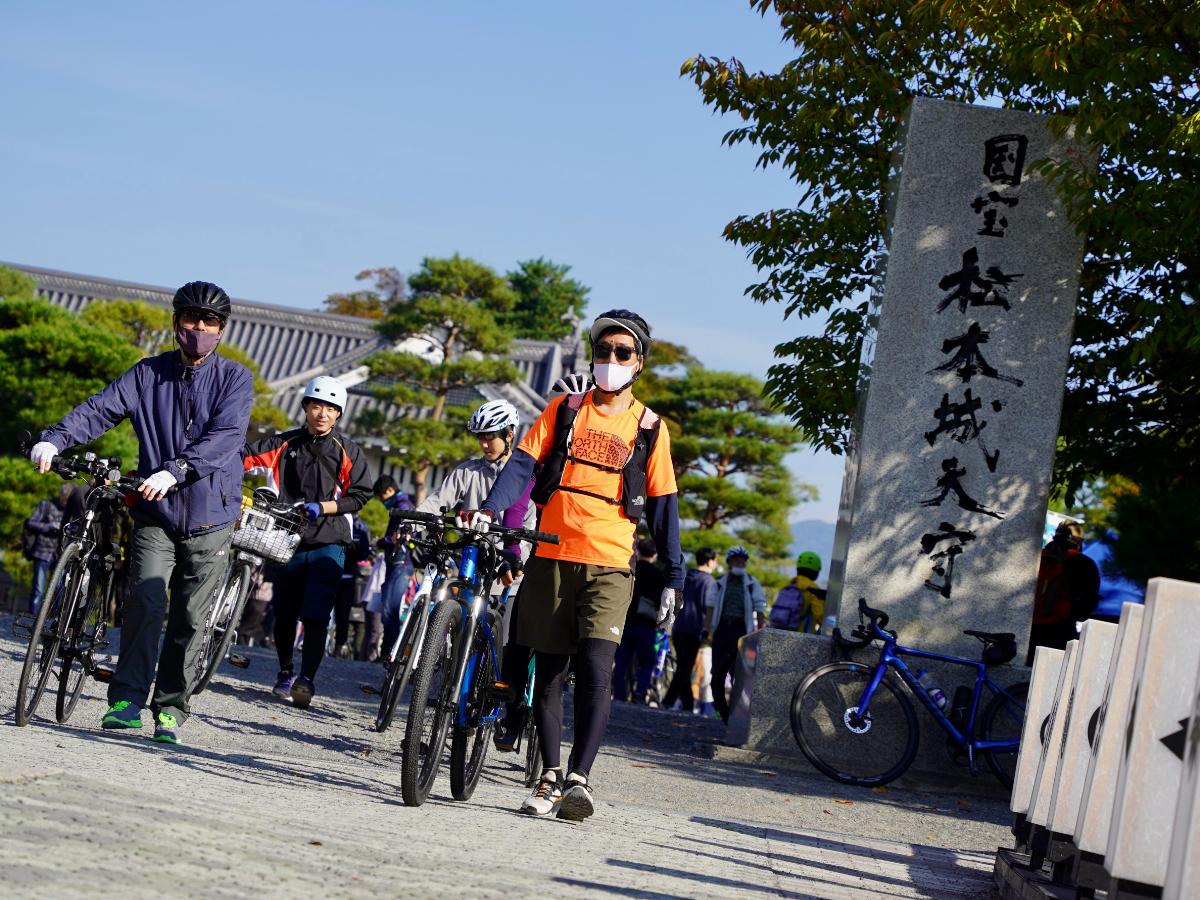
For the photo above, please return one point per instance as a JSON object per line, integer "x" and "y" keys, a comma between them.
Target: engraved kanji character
{"x": 994, "y": 287}
{"x": 1004, "y": 158}
{"x": 951, "y": 482}
{"x": 967, "y": 360}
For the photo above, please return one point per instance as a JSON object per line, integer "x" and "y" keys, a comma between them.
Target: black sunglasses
{"x": 604, "y": 350}
{"x": 190, "y": 317}
{"x": 490, "y": 435}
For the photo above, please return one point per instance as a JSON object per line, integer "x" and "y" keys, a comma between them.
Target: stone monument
{"x": 961, "y": 381}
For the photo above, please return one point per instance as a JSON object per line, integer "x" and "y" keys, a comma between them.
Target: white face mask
{"x": 736, "y": 571}
{"x": 611, "y": 376}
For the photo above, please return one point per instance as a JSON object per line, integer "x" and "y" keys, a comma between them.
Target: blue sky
{"x": 278, "y": 149}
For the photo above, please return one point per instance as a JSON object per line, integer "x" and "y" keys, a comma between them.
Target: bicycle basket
{"x": 269, "y": 534}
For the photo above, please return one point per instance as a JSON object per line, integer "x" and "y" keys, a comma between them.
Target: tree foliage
{"x": 390, "y": 288}
{"x": 450, "y": 315}
{"x": 1123, "y": 73}
{"x": 1159, "y": 530}
{"x": 544, "y": 294}
{"x": 728, "y": 446}
{"x": 263, "y": 414}
{"x": 146, "y": 327}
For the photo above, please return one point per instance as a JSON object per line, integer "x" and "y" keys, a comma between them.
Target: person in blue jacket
{"x": 190, "y": 409}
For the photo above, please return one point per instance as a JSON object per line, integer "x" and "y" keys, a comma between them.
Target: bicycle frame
{"x": 890, "y": 656}
{"x": 473, "y": 597}
{"x": 429, "y": 578}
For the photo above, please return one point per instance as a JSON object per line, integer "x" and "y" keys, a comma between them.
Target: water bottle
{"x": 926, "y": 681}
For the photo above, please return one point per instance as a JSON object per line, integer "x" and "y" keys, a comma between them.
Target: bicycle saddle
{"x": 991, "y": 638}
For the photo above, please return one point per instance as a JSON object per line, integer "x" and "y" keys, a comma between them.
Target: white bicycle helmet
{"x": 495, "y": 415}
{"x": 327, "y": 390}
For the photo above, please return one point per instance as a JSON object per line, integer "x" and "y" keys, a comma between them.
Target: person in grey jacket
{"x": 46, "y": 522}
{"x": 738, "y": 606}
{"x": 190, "y": 409}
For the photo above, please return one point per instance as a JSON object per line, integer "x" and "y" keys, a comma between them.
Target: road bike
{"x": 265, "y": 530}
{"x": 455, "y": 693}
{"x": 69, "y": 628}
{"x": 664, "y": 670}
{"x": 854, "y": 722}
{"x": 405, "y": 651}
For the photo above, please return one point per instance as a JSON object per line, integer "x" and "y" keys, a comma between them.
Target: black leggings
{"x": 593, "y": 700}
{"x": 316, "y": 632}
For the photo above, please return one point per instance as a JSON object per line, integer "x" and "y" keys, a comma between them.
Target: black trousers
{"x": 724, "y": 655}
{"x": 686, "y": 648}
{"x": 514, "y": 668}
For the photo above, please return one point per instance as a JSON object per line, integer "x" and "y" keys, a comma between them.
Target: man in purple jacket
{"x": 190, "y": 409}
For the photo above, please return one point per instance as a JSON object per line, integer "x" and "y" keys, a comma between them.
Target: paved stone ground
{"x": 265, "y": 801}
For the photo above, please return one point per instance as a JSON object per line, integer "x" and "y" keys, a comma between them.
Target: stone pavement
{"x": 268, "y": 801}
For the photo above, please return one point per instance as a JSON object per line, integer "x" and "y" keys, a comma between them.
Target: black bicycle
{"x": 69, "y": 628}
{"x": 405, "y": 652}
{"x": 266, "y": 529}
{"x": 455, "y": 692}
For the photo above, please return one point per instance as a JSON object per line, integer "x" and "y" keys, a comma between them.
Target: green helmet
{"x": 809, "y": 560}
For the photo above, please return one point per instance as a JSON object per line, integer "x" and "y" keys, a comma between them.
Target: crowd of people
{"x": 593, "y": 466}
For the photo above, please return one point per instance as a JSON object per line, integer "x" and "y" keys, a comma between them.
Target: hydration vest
{"x": 633, "y": 474}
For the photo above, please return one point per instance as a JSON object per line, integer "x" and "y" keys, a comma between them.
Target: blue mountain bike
{"x": 854, "y": 722}
{"x": 454, "y": 690}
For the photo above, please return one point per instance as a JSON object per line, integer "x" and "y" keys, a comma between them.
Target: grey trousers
{"x": 193, "y": 570}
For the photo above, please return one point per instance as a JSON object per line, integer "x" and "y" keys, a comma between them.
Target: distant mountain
{"x": 817, "y": 536}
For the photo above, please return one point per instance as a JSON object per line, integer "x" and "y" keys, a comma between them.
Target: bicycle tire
{"x": 469, "y": 746}
{"x": 73, "y": 667}
{"x": 662, "y": 684}
{"x": 240, "y": 583}
{"x": 995, "y": 727}
{"x": 533, "y": 751}
{"x": 431, "y": 706}
{"x": 821, "y": 708}
{"x": 42, "y": 653}
{"x": 401, "y": 669}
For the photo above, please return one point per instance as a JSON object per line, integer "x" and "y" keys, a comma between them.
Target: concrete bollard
{"x": 1151, "y": 759}
{"x": 1183, "y": 864}
{"x": 1047, "y": 666}
{"x": 1043, "y": 787}
{"x": 1100, "y": 784}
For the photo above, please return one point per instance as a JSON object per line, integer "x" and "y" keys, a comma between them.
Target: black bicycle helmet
{"x": 629, "y": 321}
{"x": 202, "y": 295}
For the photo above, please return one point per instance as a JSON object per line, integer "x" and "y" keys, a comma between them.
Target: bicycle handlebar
{"x": 878, "y": 616}
{"x": 107, "y": 468}
{"x": 521, "y": 534}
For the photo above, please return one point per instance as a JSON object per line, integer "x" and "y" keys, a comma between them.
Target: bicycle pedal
{"x": 504, "y": 692}
{"x": 103, "y": 674}
{"x": 241, "y": 662}
{"x": 367, "y": 689}
{"x": 22, "y": 626}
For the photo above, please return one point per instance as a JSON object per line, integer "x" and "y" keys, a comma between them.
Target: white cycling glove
{"x": 480, "y": 521}
{"x": 572, "y": 384}
{"x": 155, "y": 487}
{"x": 43, "y": 454}
{"x": 667, "y": 609}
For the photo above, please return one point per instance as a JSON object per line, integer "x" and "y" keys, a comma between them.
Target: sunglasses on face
{"x": 490, "y": 435}
{"x": 188, "y": 317}
{"x": 604, "y": 350}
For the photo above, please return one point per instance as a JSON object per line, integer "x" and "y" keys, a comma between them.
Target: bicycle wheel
{"x": 533, "y": 751}
{"x": 401, "y": 668}
{"x": 229, "y": 613}
{"x": 469, "y": 744}
{"x": 660, "y": 685}
{"x": 1002, "y": 721}
{"x": 867, "y": 752}
{"x": 86, "y": 629}
{"x": 431, "y": 706}
{"x": 62, "y": 589}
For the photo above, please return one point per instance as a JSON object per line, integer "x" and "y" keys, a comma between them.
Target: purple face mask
{"x": 197, "y": 344}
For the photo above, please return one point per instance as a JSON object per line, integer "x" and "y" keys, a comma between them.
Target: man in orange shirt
{"x": 605, "y": 462}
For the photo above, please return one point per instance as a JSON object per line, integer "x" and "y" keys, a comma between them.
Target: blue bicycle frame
{"x": 473, "y": 602}
{"x": 890, "y": 656}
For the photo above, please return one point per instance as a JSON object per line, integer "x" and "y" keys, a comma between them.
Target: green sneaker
{"x": 167, "y": 729}
{"x": 122, "y": 714}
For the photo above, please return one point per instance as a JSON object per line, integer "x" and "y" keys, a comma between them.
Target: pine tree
{"x": 544, "y": 294}
{"x": 449, "y": 341}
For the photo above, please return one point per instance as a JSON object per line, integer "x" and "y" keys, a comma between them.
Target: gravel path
{"x": 265, "y": 800}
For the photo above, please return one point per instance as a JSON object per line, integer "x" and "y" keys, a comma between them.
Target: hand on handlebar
{"x": 43, "y": 454}
{"x": 155, "y": 487}
{"x": 478, "y": 520}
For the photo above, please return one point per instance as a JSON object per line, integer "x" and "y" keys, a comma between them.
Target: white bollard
{"x": 1043, "y": 787}
{"x": 1086, "y": 693}
{"x": 1100, "y": 785}
{"x": 1047, "y": 665}
{"x": 1183, "y": 864}
{"x": 1151, "y": 767}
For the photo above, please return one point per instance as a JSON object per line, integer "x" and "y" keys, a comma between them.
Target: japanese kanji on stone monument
{"x": 962, "y": 380}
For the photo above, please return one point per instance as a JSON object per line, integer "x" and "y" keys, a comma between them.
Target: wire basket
{"x": 269, "y": 534}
